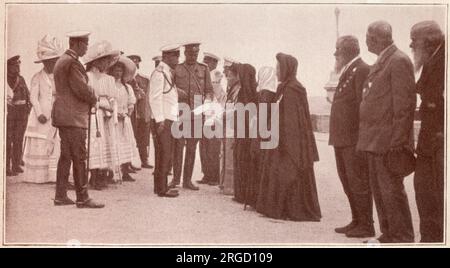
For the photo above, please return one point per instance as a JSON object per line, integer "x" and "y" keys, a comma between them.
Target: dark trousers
{"x": 73, "y": 150}
{"x": 189, "y": 159}
{"x": 141, "y": 130}
{"x": 163, "y": 157}
{"x": 429, "y": 189}
{"x": 15, "y": 131}
{"x": 391, "y": 201}
{"x": 353, "y": 173}
{"x": 210, "y": 158}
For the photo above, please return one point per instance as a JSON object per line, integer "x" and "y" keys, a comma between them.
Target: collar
{"x": 72, "y": 53}
{"x": 384, "y": 52}
{"x": 350, "y": 63}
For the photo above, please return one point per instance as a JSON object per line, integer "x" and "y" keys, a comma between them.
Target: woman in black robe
{"x": 288, "y": 187}
{"x": 241, "y": 151}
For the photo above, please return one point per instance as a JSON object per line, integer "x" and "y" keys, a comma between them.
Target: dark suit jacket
{"x": 344, "y": 117}
{"x": 388, "y": 104}
{"x": 73, "y": 95}
{"x": 431, "y": 89}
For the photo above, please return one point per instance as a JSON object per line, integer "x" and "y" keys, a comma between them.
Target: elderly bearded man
{"x": 428, "y": 48}
{"x": 344, "y": 125}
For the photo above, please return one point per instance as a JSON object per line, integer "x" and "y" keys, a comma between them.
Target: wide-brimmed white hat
{"x": 99, "y": 50}
{"x": 130, "y": 68}
{"x": 48, "y": 48}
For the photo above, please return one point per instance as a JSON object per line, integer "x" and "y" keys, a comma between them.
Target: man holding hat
{"x": 164, "y": 100}
{"x": 71, "y": 111}
{"x": 142, "y": 113}
{"x": 18, "y": 108}
{"x": 428, "y": 47}
{"x": 210, "y": 148}
{"x": 193, "y": 81}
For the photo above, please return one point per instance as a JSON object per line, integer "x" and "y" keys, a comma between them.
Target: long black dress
{"x": 288, "y": 188}
{"x": 241, "y": 152}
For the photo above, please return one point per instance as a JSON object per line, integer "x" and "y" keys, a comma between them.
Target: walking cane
{"x": 89, "y": 141}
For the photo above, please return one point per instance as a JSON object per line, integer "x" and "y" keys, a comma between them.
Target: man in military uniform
{"x": 164, "y": 100}
{"x": 192, "y": 79}
{"x": 70, "y": 113}
{"x": 142, "y": 113}
{"x": 157, "y": 60}
{"x": 428, "y": 46}
{"x": 18, "y": 109}
{"x": 344, "y": 125}
{"x": 210, "y": 148}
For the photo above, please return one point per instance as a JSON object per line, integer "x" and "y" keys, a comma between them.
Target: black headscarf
{"x": 247, "y": 79}
{"x": 288, "y": 74}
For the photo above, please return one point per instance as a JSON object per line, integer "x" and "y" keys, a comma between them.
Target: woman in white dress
{"x": 41, "y": 145}
{"x": 103, "y": 145}
{"x": 123, "y": 71}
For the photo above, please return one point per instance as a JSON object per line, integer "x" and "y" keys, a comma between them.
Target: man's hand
{"x": 42, "y": 119}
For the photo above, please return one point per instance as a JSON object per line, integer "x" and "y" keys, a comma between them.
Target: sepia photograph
{"x": 203, "y": 124}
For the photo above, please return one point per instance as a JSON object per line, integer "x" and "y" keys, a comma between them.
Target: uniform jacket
{"x": 344, "y": 117}
{"x": 194, "y": 80}
{"x": 430, "y": 86}
{"x": 163, "y": 95}
{"x": 18, "y": 99}
{"x": 143, "y": 109}
{"x": 73, "y": 95}
{"x": 42, "y": 90}
{"x": 388, "y": 104}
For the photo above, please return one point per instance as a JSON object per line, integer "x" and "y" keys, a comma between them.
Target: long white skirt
{"x": 41, "y": 159}
{"x": 104, "y": 147}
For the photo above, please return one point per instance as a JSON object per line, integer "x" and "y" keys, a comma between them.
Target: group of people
{"x": 371, "y": 127}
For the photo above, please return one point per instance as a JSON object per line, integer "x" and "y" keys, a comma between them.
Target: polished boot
{"x": 346, "y": 228}
{"x": 170, "y": 193}
{"x": 361, "y": 230}
{"x": 127, "y": 177}
{"x": 363, "y": 209}
{"x": 173, "y": 184}
{"x": 190, "y": 186}
{"x": 63, "y": 201}
{"x": 89, "y": 204}
{"x": 129, "y": 168}
{"x": 204, "y": 180}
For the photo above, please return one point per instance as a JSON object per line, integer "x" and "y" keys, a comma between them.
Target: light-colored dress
{"x": 104, "y": 147}
{"x": 128, "y": 151}
{"x": 41, "y": 144}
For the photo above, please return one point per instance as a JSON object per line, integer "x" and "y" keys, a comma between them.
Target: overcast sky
{"x": 249, "y": 33}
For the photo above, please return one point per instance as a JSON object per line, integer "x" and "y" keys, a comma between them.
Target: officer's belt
{"x": 19, "y": 102}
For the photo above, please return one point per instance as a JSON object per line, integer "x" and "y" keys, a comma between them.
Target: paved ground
{"x": 134, "y": 215}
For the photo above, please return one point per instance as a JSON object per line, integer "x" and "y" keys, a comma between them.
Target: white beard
{"x": 338, "y": 65}
{"x": 420, "y": 57}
